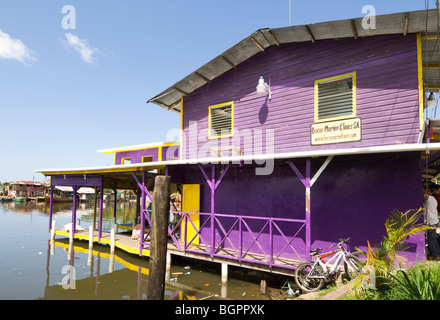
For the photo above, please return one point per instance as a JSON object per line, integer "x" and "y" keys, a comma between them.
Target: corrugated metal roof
{"x": 423, "y": 21}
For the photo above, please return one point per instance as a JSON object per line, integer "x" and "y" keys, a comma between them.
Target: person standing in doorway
{"x": 431, "y": 219}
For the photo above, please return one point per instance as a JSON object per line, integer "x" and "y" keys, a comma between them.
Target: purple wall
{"x": 352, "y": 198}
{"x": 136, "y": 155}
{"x": 387, "y": 95}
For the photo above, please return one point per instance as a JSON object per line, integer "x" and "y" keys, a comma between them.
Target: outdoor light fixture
{"x": 262, "y": 87}
{"x": 432, "y": 101}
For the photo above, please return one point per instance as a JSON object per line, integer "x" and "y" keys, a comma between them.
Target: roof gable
{"x": 423, "y": 21}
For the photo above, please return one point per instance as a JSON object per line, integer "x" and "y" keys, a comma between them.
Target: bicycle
{"x": 311, "y": 276}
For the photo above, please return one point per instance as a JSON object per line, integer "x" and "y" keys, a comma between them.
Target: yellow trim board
{"x": 420, "y": 81}
{"x": 119, "y": 245}
{"x": 231, "y": 103}
{"x": 330, "y": 79}
{"x": 114, "y": 170}
{"x": 123, "y": 149}
{"x": 181, "y": 127}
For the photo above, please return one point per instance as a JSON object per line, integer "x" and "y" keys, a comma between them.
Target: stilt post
{"x": 52, "y": 231}
{"x": 159, "y": 228}
{"x": 90, "y": 236}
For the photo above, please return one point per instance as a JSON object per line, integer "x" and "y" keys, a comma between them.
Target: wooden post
{"x": 52, "y": 230}
{"x": 159, "y": 224}
{"x": 90, "y": 236}
{"x": 224, "y": 272}
{"x": 168, "y": 267}
{"x": 112, "y": 239}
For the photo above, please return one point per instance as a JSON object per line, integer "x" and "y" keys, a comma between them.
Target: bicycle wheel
{"x": 309, "y": 277}
{"x": 352, "y": 266}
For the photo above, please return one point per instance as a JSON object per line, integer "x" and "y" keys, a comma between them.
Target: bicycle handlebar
{"x": 341, "y": 241}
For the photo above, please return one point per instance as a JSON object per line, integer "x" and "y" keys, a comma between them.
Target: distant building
{"x": 26, "y": 188}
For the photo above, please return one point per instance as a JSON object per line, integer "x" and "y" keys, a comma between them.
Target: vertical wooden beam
{"x": 52, "y": 231}
{"x": 224, "y": 272}
{"x": 91, "y": 229}
{"x": 159, "y": 228}
{"x": 168, "y": 267}
{"x": 112, "y": 239}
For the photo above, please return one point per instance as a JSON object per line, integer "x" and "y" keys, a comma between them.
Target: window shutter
{"x": 335, "y": 98}
{"x": 221, "y": 120}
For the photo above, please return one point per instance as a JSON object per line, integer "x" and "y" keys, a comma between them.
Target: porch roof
{"x": 128, "y": 168}
{"x": 423, "y": 21}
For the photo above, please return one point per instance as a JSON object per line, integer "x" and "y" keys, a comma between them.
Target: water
{"x": 30, "y": 268}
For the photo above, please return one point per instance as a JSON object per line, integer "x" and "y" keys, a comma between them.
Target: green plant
{"x": 416, "y": 284}
{"x": 384, "y": 257}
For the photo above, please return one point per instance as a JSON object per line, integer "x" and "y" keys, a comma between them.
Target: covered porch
{"x": 230, "y": 215}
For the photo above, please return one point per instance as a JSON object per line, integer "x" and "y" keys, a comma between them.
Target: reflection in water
{"x": 33, "y": 267}
{"x": 90, "y": 273}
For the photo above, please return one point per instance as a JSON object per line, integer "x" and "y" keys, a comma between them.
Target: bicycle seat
{"x": 315, "y": 252}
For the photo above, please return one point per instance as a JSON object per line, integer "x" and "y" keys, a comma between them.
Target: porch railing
{"x": 262, "y": 240}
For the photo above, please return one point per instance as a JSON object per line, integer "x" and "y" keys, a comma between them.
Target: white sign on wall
{"x": 347, "y": 130}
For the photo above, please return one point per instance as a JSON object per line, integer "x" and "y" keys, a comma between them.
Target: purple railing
{"x": 263, "y": 240}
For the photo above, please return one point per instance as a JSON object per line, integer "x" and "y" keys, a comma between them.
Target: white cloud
{"x": 82, "y": 46}
{"x": 14, "y": 49}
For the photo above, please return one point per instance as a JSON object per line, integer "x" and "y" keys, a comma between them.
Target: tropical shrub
{"x": 387, "y": 255}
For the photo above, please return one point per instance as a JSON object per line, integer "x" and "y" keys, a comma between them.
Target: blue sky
{"x": 66, "y": 93}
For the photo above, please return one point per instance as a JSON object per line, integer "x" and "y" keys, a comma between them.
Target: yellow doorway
{"x": 191, "y": 203}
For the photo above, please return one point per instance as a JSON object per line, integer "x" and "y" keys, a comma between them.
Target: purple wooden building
{"x": 293, "y": 138}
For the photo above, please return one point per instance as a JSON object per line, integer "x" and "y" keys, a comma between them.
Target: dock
{"x": 123, "y": 241}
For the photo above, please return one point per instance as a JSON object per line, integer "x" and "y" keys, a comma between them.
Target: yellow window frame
{"x": 147, "y": 159}
{"x": 124, "y": 159}
{"x": 339, "y": 77}
{"x": 231, "y": 103}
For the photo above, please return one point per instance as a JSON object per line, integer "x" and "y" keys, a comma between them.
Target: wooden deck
{"x": 123, "y": 241}
{"x": 253, "y": 261}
